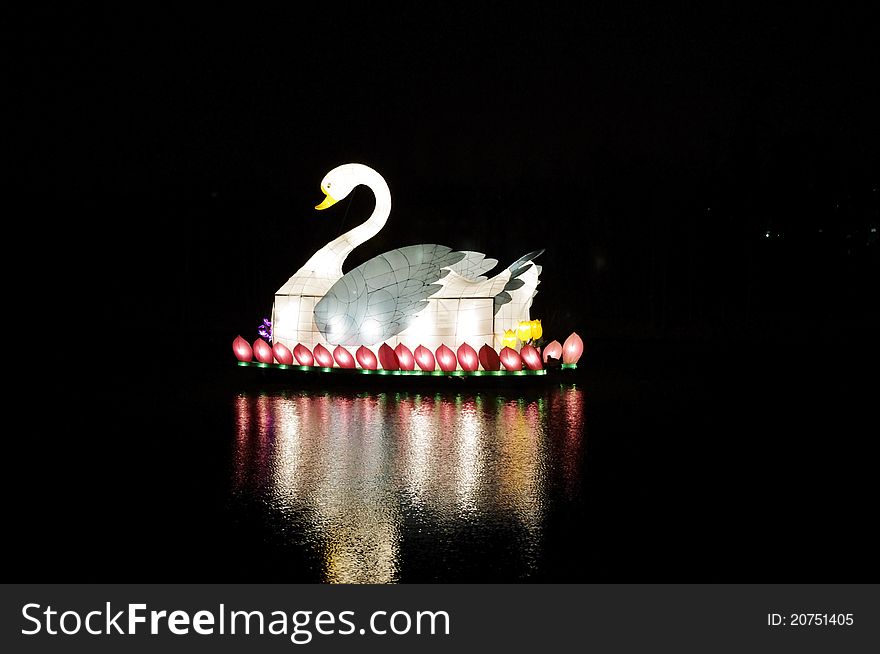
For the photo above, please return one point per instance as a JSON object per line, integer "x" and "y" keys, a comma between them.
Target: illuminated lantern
{"x": 553, "y": 350}
{"x": 243, "y": 350}
{"x": 509, "y": 339}
{"x": 530, "y": 357}
{"x": 303, "y": 356}
{"x": 343, "y": 357}
{"x": 489, "y": 358}
{"x": 510, "y": 359}
{"x": 366, "y": 358}
{"x": 467, "y": 357}
{"x": 446, "y": 358}
{"x": 388, "y": 358}
{"x": 537, "y": 330}
{"x": 323, "y": 356}
{"x": 282, "y": 354}
{"x": 383, "y": 299}
{"x": 572, "y": 349}
{"x": 405, "y": 358}
{"x": 263, "y": 352}
{"x": 524, "y": 330}
{"x": 424, "y": 358}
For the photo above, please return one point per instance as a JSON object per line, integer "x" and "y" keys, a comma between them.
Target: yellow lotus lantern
{"x": 509, "y": 339}
{"x": 529, "y": 329}
{"x": 537, "y": 330}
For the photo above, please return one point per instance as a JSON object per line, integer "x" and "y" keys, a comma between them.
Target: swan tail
{"x": 520, "y": 288}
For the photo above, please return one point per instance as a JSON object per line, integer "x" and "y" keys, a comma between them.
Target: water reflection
{"x": 355, "y": 477}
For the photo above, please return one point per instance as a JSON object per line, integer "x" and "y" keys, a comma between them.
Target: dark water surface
{"x": 661, "y": 463}
{"x": 379, "y": 487}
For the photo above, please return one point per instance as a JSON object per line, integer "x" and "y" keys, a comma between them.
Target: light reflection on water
{"x": 354, "y": 477}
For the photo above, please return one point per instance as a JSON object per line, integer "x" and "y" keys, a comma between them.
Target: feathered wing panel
{"x": 456, "y": 286}
{"x": 474, "y": 265}
{"x": 378, "y": 299}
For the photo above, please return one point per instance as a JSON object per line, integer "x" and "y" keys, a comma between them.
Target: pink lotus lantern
{"x": 530, "y": 357}
{"x": 404, "y": 357}
{"x": 572, "y": 349}
{"x": 263, "y": 352}
{"x": 424, "y": 358}
{"x": 510, "y": 359}
{"x": 242, "y": 349}
{"x": 446, "y": 359}
{"x": 303, "y": 356}
{"x": 489, "y": 358}
{"x": 323, "y": 356}
{"x": 366, "y": 358}
{"x": 552, "y": 349}
{"x": 467, "y": 357}
{"x": 343, "y": 357}
{"x": 282, "y": 354}
{"x": 388, "y": 358}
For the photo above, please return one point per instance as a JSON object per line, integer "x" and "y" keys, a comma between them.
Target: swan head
{"x": 339, "y": 182}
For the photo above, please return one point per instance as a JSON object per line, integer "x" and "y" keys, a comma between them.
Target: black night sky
{"x": 701, "y": 172}
{"x": 702, "y": 176}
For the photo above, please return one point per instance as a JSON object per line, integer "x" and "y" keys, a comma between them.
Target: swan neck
{"x": 326, "y": 263}
{"x": 374, "y": 224}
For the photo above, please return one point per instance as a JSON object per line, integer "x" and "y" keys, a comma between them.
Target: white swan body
{"x": 418, "y": 295}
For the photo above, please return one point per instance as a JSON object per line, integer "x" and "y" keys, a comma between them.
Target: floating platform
{"x": 279, "y": 373}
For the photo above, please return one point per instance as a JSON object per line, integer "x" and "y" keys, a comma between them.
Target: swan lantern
{"x": 419, "y": 295}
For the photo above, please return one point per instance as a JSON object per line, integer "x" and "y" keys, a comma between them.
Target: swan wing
{"x": 455, "y": 285}
{"x": 378, "y": 299}
{"x": 474, "y": 265}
